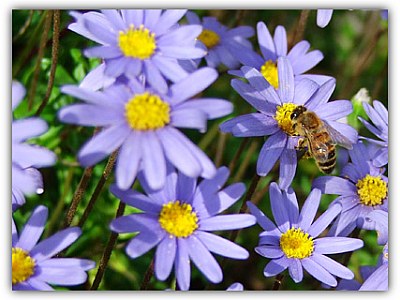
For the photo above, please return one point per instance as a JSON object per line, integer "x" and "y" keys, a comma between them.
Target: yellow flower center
{"x": 282, "y": 116}
{"x": 22, "y": 265}
{"x": 371, "y": 190}
{"x": 178, "y": 219}
{"x": 137, "y": 42}
{"x": 295, "y": 243}
{"x": 209, "y": 38}
{"x": 147, "y": 112}
{"x": 270, "y": 72}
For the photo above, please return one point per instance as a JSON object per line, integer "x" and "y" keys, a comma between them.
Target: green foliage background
{"x": 355, "y": 48}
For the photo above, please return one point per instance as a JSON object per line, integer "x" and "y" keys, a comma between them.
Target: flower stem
{"x": 220, "y": 149}
{"x": 42, "y": 46}
{"x": 103, "y": 179}
{"x": 54, "y": 58}
{"x": 235, "y": 159}
{"x": 107, "y": 251}
{"x": 299, "y": 30}
{"x": 147, "y": 276}
{"x": 277, "y": 282}
{"x": 76, "y": 199}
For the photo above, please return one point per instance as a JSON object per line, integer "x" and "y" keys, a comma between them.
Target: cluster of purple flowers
{"x": 149, "y": 86}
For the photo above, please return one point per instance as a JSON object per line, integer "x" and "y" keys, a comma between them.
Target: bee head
{"x": 297, "y": 112}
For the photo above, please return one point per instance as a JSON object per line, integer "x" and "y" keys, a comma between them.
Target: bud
{"x": 358, "y": 111}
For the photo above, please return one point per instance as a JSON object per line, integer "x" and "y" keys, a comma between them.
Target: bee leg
{"x": 302, "y": 148}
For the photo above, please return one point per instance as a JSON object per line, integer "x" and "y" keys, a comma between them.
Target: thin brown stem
{"x": 103, "y": 179}
{"x": 278, "y": 282}
{"x": 107, "y": 251}
{"x": 42, "y": 46}
{"x": 78, "y": 195}
{"x": 235, "y": 159}
{"x": 246, "y": 161}
{"x": 220, "y": 149}
{"x": 54, "y": 59}
{"x": 24, "y": 27}
{"x": 247, "y": 197}
{"x": 147, "y": 276}
{"x": 299, "y": 30}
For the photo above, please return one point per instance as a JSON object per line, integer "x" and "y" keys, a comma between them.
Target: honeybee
{"x": 321, "y": 138}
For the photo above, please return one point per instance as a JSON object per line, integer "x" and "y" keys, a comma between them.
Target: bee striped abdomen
{"x": 325, "y": 154}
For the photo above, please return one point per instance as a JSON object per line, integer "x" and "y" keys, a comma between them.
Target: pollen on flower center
{"x": 22, "y": 265}
{"x": 295, "y": 243}
{"x": 270, "y": 72}
{"x": 147, "y": 112}
{"x": 137, "y": 42}
{"x": 178, "y": 219}
{"x": 282, "y": 116}
{"x": 372, "y": 190}
{"x": 209, "y": 38}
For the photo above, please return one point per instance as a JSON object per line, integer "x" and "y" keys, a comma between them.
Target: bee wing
{"x": 338, "y": 138}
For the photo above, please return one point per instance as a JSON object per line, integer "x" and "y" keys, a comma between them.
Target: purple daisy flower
{"x": 217, "y": 39}
{"x": 26, "y": 179}
{"x": 33, "y": 267}
{"x": 362, "y": 188}
{"x": 137, "y": 41}
{"x": 274, "y": 47}
{"x": 273, "y": 118}
{"x": 380, "y": 128}
{"x": 294, "y": 243}
{"x": 375, "y": 278}
{"x": 143, "y": 123}
{"x": 324, "y": 16}
{"x": 178, "y": 219}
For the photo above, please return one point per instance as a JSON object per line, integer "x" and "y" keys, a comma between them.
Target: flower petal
{"x": 33, "y": 229}
{"x": 182, "y": 265}
{"x": 89, "y": 115}
{"x": 78, "y": 263}
{"x": 333, "y": 267}
{"x": 56, "y": 243}
{"x": 212, "y": 107}
{"x": 286, "y": 80}
{"x": 322, "y": 95}
{"x": 154, "y": 165}
{"x": 154, "y": 77}
{"x": 61, "y": 276}
{"x": 136, "y": 199}
{"x": 254, "y": 124}
{"x": 296, "y": 270}
{"x": 265, "y": 103}
{"x": 307, "y": 62}
{"x": 278, "y": 207}
{"x": 221, "y": 246}
{"x": 280, "y": 41}
{"x": 334, "y": 110}
{"x": 332, "y": 245}
{"x": 335, "y": 185}
{"x": 26, "y": 128}
{"x": 269, "y": 251}
{"x": 266, "y": 42}
{"x": 128, "y": 161}
{"x": 102, "y": 144}
{"x": 165, "y": 257}
{"x": 227, "y": 222}
{"x": 323, "y": 17}
{"x": 138, "y": 222}
{"x": 193, "y": 84}
{"x": 304, "y": 89}
{"x": 288, "y": 165}
{"x": 189, "y": 118}
{"x": 170, "y": 68}
{"x": 168, "y": 18}
{"x": 263, "y": 220}
{"x": 144, "y": 241}
{"x": 203, "y": 259}
{"x": 270, "y": 152}
{"x": 318, "y": 272}
{"x": 324, "y": 220}
{"x": 309, "y": 210}
{"x": 276, "y": 266}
